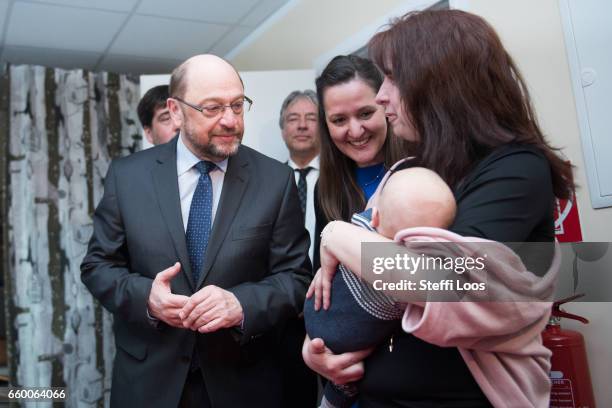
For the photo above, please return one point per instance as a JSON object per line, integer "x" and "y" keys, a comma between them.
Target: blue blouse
{"x": 368, "y": 178}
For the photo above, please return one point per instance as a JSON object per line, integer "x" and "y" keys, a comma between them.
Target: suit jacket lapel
{"x": 165, "y": 180}
{"x": 234, "y": 185}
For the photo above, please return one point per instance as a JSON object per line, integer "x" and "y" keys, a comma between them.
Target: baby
{"x": 359, "y": 316}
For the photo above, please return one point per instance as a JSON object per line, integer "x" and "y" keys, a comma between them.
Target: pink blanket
{"x": 500, "y": 342}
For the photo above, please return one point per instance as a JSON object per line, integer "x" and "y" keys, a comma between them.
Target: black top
{"x": 508, "y": 197}
{"x": 320, "y": 222}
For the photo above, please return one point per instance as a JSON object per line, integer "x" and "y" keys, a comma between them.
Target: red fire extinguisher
{"x": 569, "y": 374}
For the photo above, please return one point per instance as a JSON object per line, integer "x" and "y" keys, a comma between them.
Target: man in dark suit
{"x": 299, "y": 123}
{"x": 200, "y": 253}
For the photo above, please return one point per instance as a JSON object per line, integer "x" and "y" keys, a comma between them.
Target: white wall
{"x": 307, "y": 29}
{"x": 588, "y": 33}
{"x": 376, "y": 22}
{"x": 267, "y": 89}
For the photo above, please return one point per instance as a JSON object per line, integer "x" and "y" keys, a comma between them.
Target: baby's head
{"x": 414, "y": 197}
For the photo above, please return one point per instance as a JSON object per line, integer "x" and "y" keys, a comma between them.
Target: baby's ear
{"x": 375, "y": 217}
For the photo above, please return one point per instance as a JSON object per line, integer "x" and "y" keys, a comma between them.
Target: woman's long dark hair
{"x": 339, "y": 193}
{"x": 462, "y": 92}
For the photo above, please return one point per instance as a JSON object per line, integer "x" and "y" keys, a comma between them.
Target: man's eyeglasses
{"x": 212, "y": 111}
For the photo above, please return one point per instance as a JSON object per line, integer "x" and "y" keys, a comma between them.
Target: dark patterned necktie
{"x": 302, "y": 186}
{"x": 200, "y": 217}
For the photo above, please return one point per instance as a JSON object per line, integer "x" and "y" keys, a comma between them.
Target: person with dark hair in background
{"x": 155, "y": 117}
{"x": 453, "y": 90}
{"x": 356, "y": 147}
{"x": 299, "y": 123}
{"x": 200, "y": 253}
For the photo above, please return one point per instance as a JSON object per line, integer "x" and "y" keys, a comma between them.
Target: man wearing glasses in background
{"x": 299, "y": 123}
{"x": 154, "y": 116}
{"x": 200, "y": 253}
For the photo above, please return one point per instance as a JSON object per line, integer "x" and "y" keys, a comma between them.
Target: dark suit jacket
{"x": 258, "y": 250}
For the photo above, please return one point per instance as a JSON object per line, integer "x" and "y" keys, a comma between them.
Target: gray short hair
{"x": 307, "y": 94}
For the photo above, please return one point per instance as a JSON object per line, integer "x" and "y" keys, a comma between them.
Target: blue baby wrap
{"x": 359, "y": 316}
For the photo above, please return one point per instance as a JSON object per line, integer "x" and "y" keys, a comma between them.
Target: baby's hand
{"x": 322, "y": 282}
{"x": 317, "y": 289}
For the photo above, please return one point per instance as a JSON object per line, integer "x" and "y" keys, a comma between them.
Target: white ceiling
{"x": 138, "y": 36}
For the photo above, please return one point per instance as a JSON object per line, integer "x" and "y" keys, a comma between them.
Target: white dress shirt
{"x": 188, "y": 177}
{"x": 311, "y": 180}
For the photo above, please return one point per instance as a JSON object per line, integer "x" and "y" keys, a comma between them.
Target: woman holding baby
{"x": 452, "y": 91}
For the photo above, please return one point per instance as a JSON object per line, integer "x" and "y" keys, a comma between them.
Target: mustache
{"x": 235, "y": 134}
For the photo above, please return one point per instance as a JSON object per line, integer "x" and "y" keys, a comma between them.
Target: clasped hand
{"x": 208, "y": 310}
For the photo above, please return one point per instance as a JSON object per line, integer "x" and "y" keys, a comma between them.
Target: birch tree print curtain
{"x": 59, "y": 131}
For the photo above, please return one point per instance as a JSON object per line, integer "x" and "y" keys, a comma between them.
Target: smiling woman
{"x": 355, "y": 144}
{"x": 356, "y": 124}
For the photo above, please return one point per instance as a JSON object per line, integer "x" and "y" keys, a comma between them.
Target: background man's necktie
{"x": 200, "y": 217}
{"x": 302, "y": 186}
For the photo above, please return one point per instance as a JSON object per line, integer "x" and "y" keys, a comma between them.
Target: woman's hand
{"x": 338, "y": 368}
